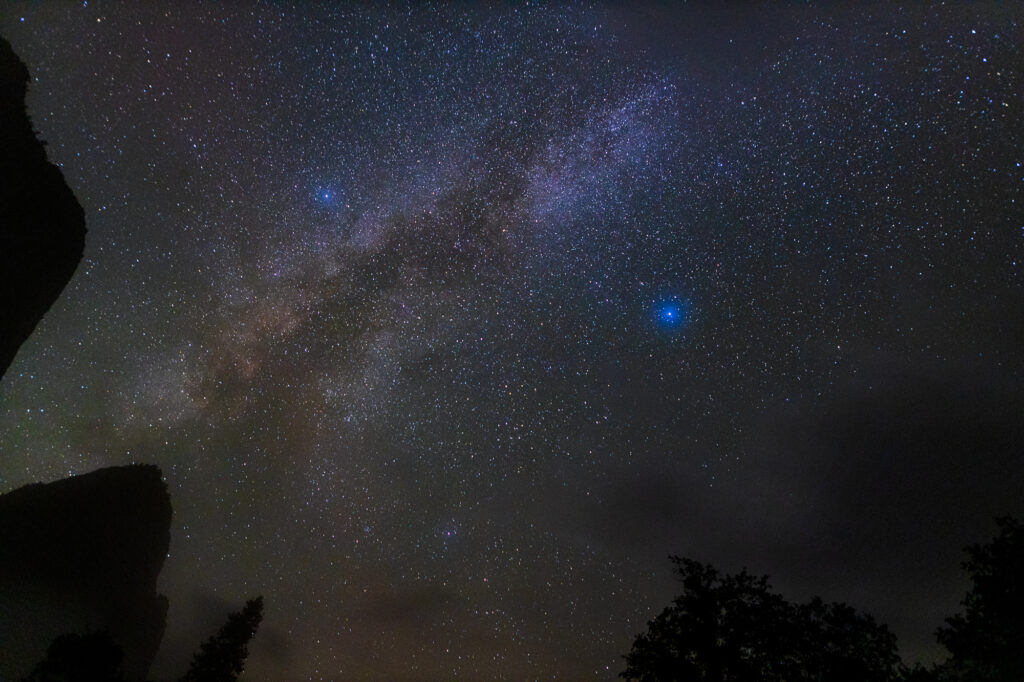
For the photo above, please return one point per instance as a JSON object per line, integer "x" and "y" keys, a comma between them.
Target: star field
{"x": 446, "y": 325}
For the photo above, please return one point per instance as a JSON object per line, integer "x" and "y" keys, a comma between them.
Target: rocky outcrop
{"x": 83, "y": 554}
{"x": 42, "y": 226}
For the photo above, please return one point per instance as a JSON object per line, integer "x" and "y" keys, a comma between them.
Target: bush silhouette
{"x": 72, "y": 657}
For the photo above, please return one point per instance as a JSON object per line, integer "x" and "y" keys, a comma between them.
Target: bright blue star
{"x": 325, "y": 196}
{"x": 672, "y": 314}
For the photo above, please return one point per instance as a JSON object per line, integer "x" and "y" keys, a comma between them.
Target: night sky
{"x": 447, "y": 325}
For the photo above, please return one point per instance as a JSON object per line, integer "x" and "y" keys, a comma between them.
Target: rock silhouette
{"x": 83, "y": 554}
{"x": 42, "y": 225}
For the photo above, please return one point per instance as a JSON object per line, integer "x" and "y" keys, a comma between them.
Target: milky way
{"x": 446, "y": 326}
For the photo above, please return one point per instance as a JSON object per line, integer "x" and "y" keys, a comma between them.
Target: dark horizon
{"x": 447, "y": 326}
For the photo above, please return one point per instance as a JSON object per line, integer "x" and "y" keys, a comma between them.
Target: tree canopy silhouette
{"x": 71, "y": 657}
{"x": 726, "y": 628}
{"x": 986, "y": 640}
{"x": 221, "y": 658}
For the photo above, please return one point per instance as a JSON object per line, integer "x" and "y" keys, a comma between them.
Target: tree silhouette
{"x": 985, "y": 641}
{"x": 72, "y": 657}
{"x": 221, "y": 658}
{"x": 726, "y": 628}
{"x": 834, "y": 642}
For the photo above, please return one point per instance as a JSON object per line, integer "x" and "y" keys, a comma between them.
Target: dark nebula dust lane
{"x": 446, "y": 325}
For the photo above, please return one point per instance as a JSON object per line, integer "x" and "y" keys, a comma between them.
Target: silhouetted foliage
{"x": 222, "y": 657}
{"x": 93, "y": 657}
{"x": 835, "y": 642}
{"x": 919, "y": 673}
{"x": 986, "y": 641}
{"x": 726, "y": 628}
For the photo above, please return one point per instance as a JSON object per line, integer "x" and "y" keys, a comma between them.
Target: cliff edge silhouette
{"x": 42, "y": 225}
{"x": 82, "y": 555}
